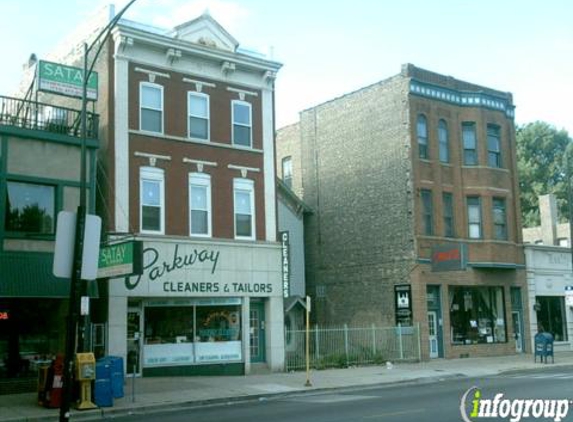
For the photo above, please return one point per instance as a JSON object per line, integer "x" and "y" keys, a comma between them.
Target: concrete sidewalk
{"x": 145, "y": 395}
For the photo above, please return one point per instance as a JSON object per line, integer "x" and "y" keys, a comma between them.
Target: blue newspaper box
{"x": 102, "y": 385}
{"x": 117, "y": 375}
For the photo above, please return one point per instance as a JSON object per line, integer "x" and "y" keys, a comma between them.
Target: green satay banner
{"x": 122, "y": 259}
{"x": 65, "y": 80}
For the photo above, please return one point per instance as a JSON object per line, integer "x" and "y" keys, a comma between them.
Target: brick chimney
{"x": 548, "y": 214}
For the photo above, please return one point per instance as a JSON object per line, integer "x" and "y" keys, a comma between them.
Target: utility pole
{"x": 77, "y": 285}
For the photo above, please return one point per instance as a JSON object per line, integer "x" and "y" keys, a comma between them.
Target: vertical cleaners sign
{"x": 285, "y": 260}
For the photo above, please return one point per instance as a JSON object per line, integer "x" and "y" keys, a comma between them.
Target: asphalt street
{"x": 437, "y": 401}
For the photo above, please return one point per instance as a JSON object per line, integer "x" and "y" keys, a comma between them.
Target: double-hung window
{"x": 474, "y": 217}
{"x": 470, "y": 144}
{"x": 30, "y": 208}
{"x": 152, "y": 200}
{"x": 198, "y": 110}
{"x": 493, "y": 146}
{"x": 422, "y": 132}
{"x": 448, "y": 212}
{"x": 200, "y": 204}
{"x": 244, "y": 204}
{"x": 151, "y": 107}
{"x": 427, "y": 212}
{"x": 242, "y": 123}
{"x": 443, "y": 140}
{"x": 499, "y": 219}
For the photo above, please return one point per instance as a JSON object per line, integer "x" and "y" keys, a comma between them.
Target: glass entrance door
{"x": 433, "y": 334}
{"x": 518, "y": 332}
{"x": 133, "y": 361}
{"x": 257, "y": 332}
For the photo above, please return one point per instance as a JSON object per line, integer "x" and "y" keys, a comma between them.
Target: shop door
{"x": 257, "y": 331}
{"x": 433, "y": 334}
{"x": 435, "y": 329}
{"x": 518, "y": 331}
{"x": 133, "y": 361}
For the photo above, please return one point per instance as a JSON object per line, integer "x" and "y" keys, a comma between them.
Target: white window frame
{"x": 474, "y": 223}
{"x": 250, "y": 126}
{"x": 152, "y": 174}
{"x": 191, "y": 94}
{"x": 244, "y": 185}
{"x": 156, "y": 86}
{"x": 286, "y": 164}
{"x": 201, "y": 180}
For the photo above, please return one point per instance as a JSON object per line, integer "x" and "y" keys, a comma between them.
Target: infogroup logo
{"x": 515, "y": 409}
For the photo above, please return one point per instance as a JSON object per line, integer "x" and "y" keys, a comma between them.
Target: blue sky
{"x": 331, "y": 47}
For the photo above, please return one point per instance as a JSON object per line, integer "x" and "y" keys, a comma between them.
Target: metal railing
{"x": 345, "y": 346}
{"x": 40, "y": 116}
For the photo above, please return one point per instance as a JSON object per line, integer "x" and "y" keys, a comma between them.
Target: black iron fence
{"x": 40, "y": 116}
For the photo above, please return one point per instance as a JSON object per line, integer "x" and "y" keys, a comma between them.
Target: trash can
{"x": 543, "y": 347}
{"x": 117, "y": 375}
{"x": 43, "y": 369}
{"x": 102, "y": 386}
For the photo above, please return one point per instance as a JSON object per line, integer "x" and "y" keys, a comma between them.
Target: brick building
{"x": 413, "y": 185}
{"x": 187, "y": 168}
{"x": 39, "y": 177}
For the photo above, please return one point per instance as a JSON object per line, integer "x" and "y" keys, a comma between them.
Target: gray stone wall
{"x": 288, "y": 145}
{"x": 356, "y": 177}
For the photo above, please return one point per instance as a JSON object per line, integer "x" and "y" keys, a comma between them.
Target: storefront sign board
{"x": 211, "y": 270}
{"x": 65, "y": 80}
{"x": 285, "y": 260}
{"x": 450, "y": 257}
{"x": 120, "y": 260}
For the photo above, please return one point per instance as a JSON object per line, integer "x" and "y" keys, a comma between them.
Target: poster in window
{"x": 403, "y": 304}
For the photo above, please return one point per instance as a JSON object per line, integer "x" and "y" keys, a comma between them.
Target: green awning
{"x": 29, "y": 274}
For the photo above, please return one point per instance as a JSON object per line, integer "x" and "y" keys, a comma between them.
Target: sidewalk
{"x": 144, "y": 395}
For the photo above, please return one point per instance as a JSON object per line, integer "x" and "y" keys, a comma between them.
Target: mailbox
{"x": 85, "y": 366}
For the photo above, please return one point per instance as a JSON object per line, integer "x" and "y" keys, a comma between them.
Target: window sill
{"x": 30, "y": 236}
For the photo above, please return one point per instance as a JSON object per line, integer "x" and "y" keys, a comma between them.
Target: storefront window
{"x": 551, "y": 316}
{"x": 169, "y": 325}
{"x": 218, "y": 323}
{"x": 477, "y": 315}
{"x": 194, "y": 332}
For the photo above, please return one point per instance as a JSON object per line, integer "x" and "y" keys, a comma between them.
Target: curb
{"x": 165, "y": 407}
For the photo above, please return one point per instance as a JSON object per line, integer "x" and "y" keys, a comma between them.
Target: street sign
{"x": 65, "y": 242}
{"x": 569, "y": 296}
{"x": 120, "y": 260}
{"x": 65, "y": 80}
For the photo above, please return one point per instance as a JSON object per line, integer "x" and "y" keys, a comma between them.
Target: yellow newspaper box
{"x": 85, "y": 374}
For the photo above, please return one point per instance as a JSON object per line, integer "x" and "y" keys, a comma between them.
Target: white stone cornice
{"x": 199, "y": 84}
{"x": 123, "y": 43}
{"x": 152, "y": 157}
{"x": 152, "y": 73}
{"x": 242, "y": 92}
{"x": 172, "y": 54}
{"x": 227, "y": 67}
{"x": 200, "y": 163}
{"x": 244, "y": 170}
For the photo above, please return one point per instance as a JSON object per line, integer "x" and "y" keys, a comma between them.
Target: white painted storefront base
{"x": 209, "y": 287}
